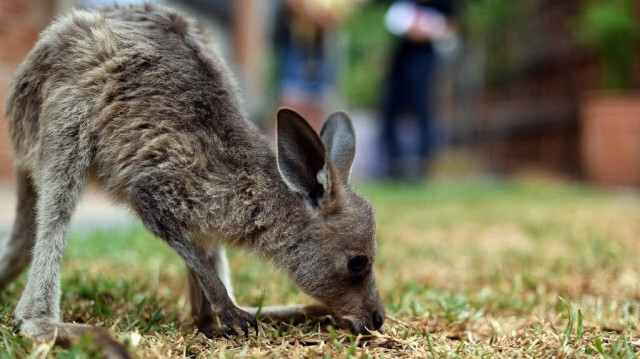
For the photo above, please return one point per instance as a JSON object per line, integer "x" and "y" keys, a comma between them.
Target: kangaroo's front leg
{"x": 154, "y": 198}
{"x": 200, "y": 307}
{"x": 292, "y": 314}
{"x": 205, "y": 317}
{"x": 215, "y": 299}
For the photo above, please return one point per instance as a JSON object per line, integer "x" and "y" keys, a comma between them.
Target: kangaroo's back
{"x": 137, "y": 83}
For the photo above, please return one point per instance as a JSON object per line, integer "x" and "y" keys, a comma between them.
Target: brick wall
{"x": 20, "y": 23}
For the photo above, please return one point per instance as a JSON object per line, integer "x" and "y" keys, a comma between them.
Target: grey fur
{"x": 138, "y": 99}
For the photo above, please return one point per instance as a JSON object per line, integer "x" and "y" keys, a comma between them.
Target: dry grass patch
{"x": 516, "y": 269}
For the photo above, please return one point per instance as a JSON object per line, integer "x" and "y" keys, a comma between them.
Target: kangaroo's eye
{"x": 357, "y": 264}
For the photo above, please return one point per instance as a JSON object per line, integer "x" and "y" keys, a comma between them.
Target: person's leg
{"x": 391, "y": 103}
{"x": 422, "y": 68}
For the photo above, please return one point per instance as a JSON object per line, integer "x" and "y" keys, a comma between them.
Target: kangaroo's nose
{"x": 377, "y": 320}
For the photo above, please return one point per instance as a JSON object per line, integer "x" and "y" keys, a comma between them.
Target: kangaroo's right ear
{"x": 301, "y": 156}
{"x": 339, "y": 137}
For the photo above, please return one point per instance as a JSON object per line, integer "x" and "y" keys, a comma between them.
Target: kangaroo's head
{"x": 332, "y": 258}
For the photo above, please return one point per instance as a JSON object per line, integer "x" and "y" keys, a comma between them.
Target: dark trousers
{"x": 407, "y": 91}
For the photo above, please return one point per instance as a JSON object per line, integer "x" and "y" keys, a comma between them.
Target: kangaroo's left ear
{"x": 339, "y": 138}
{"x": 302, "y": 157}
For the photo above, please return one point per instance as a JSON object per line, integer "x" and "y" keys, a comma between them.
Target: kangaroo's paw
{"x": 213, "y": 330}
{"x": 293, "y": 314}
{"x": 231, "y": 316}
{"x": 67, "y": 334}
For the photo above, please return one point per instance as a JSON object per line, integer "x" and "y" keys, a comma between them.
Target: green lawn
{"x": 466, "y": 269}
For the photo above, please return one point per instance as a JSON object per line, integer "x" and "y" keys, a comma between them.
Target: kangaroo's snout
{"x": 358, "y": 308}
{"x": 370, "y": 321}
{"x": 376, "y": 316}
{"x": 375, "y": 321}
{"x": 378, "y": 320}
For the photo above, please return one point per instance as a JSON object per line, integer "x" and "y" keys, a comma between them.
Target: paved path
{"x": 93, "y": 211}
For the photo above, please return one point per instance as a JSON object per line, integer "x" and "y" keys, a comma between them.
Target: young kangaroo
{"x": 136, "y": 99}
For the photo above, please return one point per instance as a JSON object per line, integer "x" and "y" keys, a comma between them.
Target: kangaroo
{"x": 138, "y": 100}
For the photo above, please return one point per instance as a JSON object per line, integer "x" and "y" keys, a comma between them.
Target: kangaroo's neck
{"x": 254, "y": 208}
{"x": 283, "y": 219}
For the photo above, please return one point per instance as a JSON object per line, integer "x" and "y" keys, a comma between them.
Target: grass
{"x": 478, "y": 269}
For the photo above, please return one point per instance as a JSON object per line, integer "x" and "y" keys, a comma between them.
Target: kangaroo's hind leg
{"x": 292, "y": 314}
{"x": 15, "y": 251}
{"x": 60, "y": 179}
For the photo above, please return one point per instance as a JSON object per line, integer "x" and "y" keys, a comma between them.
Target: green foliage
{"x": 368, "y": 49}
{"x": 620, "y": 350}
{"x": 489, "y": 18}
{"x": 493, "y": 24}
{"x": 12, "y": 344}
{"x": 611, "y": 31}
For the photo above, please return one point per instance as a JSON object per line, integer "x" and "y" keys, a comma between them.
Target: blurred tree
{"x": 611, "y": 31}
{"x": 369, "y": 44}
{"x": 490, "y": 24}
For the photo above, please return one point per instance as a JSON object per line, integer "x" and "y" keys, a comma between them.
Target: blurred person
{"x": 419, "y": 24}
{"x": 304, "y": 39}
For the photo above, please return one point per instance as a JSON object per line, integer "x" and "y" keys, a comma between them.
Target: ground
{"x": 525, "y": 268}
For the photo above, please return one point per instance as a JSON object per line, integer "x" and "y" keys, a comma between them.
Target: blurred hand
{"x": 325, "y": 14}
{"x": 416, "y": 23}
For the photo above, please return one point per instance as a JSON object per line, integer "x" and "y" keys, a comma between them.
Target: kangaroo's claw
{"x": 214, "y": 331}
{"x": 236, "y": 316}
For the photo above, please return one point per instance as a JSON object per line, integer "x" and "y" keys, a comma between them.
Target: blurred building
{"x": 20, "y": 23}
{"x": 523, "y": 85}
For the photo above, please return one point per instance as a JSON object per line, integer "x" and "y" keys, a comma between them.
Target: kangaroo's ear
{"x": 340, "y": 139}
{"x": 301, "y": 156}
